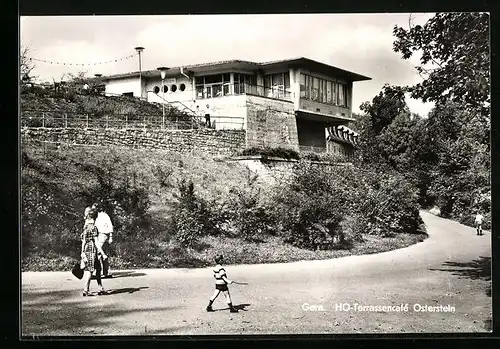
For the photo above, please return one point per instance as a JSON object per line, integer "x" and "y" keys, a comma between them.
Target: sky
{"x": 361, "y": 43}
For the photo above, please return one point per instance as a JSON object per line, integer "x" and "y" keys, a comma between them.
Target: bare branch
{"x": 26, "y": 65}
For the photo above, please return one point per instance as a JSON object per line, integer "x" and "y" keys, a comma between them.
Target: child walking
{"x": 221, "y": 282}
{"x": 478, "y": 220}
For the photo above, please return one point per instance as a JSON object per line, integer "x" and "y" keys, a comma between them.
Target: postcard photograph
{"x": 270, "y": 174}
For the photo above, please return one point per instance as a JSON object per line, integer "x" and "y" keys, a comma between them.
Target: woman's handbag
{"x": 77, "y": 270}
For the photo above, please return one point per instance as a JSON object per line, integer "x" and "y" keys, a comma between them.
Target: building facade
{"x": 296, "y": 102}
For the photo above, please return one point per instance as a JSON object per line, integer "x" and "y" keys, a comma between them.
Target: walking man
{"x": 105, "y": 237}
{"x": 479, "y": 221}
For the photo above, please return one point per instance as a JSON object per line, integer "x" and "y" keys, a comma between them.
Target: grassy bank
{"x": 142, "y": 188}
{"x": 170, "y": 255}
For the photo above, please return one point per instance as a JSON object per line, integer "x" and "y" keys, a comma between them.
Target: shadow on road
{"x": 123, "y": 274}
{"x": 236, "y": 306}
{"x": 479, "y": 269}
{"x": 126, "y": 290}
{"x": 476, "y": 269}
{"x": 66, "y": 312}
{"x": 488, "y": 324}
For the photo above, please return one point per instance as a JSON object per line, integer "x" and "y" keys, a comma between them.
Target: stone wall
{"x": 209, "y": 141}
{"x": 276, "y": 170}
{"x": 271, "y": 122}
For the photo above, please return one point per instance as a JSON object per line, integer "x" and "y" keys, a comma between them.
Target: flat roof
{"x": 300, "y": 62}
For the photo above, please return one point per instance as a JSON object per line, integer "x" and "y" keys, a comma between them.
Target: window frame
{"x": 326, "y": 91}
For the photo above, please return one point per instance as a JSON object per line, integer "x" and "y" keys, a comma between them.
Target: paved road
{"x": 449, "y": 268}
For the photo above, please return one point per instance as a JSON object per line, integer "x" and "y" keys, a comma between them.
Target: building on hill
{"x": 298, "y": 103}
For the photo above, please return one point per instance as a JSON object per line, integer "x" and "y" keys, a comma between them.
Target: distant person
{"x": 105, "y": 237}
{"x": 479, "y": 222}
{"x": 207, "y": 116}
{"x": 90, "y": 253}
{"x": 221, "y": 282}
{"x": 199, "y": 114}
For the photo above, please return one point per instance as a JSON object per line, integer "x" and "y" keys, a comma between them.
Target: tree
{"x": 384, "y": 108}
{"x": 455, "y": 62}
{"x": 378, "y": 115}
{"x": 26, "y": 66}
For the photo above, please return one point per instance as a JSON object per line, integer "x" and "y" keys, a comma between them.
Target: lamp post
{"x": 163, "y": 72}
{"x": 139, "y": 50}
{"x": 95, "y": 88}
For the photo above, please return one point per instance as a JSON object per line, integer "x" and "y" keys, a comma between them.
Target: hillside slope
{"x": 179, "y": 210}
{"x": 41, "y": 99}
{"x": 143, "y": 189}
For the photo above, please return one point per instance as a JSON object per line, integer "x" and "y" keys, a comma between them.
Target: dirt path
{"x": 451, "y": 269}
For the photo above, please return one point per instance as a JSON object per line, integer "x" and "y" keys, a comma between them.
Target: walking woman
{"x": 90, "y": 253}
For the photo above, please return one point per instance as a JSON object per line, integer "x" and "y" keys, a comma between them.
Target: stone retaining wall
{"x": 216, "y": 142}
{"x": 274, "y": 170}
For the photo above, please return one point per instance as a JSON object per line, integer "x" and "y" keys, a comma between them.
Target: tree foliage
{"x": 455, "y": 61}
{"x": 378, "y": 116}
{"x": 388, "y": 104}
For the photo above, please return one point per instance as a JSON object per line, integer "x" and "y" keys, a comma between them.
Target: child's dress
{"x": 90, "y": 249}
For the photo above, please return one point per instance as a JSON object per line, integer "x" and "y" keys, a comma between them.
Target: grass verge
{"x": 236, "y": 251}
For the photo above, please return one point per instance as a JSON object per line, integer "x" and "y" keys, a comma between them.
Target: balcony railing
{"x": 234, "y": 89}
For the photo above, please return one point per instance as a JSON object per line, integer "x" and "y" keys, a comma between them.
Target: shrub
{"x": 317, "y": 225}
{"x": 192, "y": 217}
{"x": 266, "y": 152}
{"x": 310, "y": 209}
{"x": 48, "y": 224}
{"x": 353, "y": 227}
{"x": 329, "y": 207}
{"x": 248, "y": 217}
{"x": 325, "y": 157}
{"x": 123, "y": 197}
{"x": 390, "y": 205}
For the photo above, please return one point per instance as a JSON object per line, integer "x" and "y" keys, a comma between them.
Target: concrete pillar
{"x": 349, "y": 97}
{"x": 295, "y": 87}
{"x": 192, "y": 82}
{"x": 231, "y": 83}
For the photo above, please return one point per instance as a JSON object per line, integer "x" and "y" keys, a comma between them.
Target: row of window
{"x": 173, "y": 88}
{"x": 323, "y": 91}
{"x": 313, "y": 88}
{"x": 219, "y": 85}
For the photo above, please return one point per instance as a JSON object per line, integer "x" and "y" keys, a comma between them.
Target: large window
{"x": 244, "y": 83}
{"x": 277, "y": 85}
{"x": 209, "y": 86}
{"x": 334, "y": 93}
{"x": 329, "y": 92}
{"x": 342, "y": 95}
{"x": 315, "y": 90}
{"x": 302, "y": 86}
{"x": 323, "y": 91}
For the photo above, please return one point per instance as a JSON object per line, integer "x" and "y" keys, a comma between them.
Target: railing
{"x": 60, "y": 119}
{"x": 234, "y": 89}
